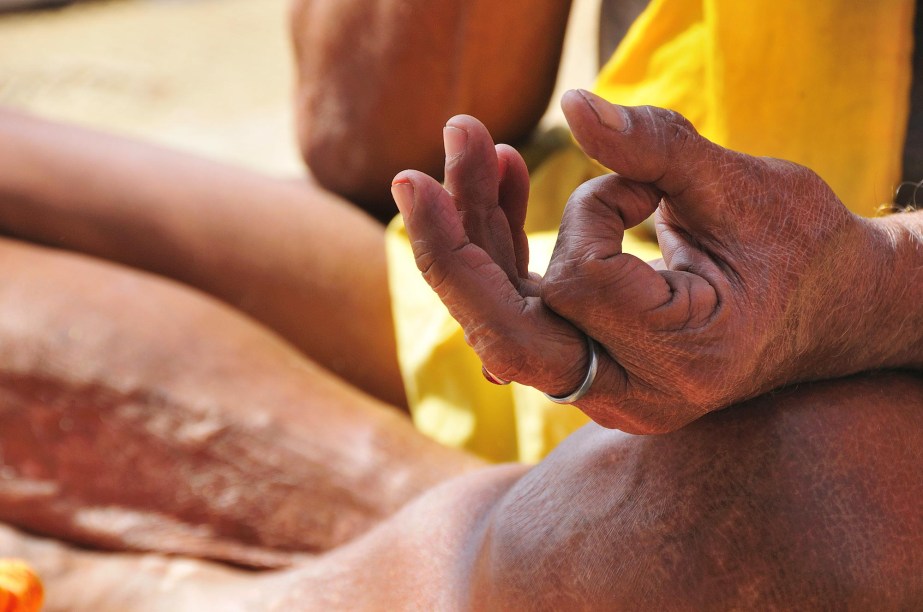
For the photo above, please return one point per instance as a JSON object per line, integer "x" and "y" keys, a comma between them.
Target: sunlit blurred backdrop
{"x": 207, "y": 76}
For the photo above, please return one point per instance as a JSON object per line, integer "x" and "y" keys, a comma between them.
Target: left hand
{"x": 469, "y": 243}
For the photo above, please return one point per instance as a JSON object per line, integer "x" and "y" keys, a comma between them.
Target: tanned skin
{"x": 243, "y": 447}
{"x": 807, "y": 498}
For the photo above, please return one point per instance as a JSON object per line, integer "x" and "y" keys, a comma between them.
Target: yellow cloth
{"x": 20, "y": 588}
{"x": 825, "y": 83}
{"x": 822, "y": 83}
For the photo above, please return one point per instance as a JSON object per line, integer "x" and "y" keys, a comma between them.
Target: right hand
{"x": 766, "y": 270}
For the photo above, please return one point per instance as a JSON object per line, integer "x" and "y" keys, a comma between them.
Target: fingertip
{"x": 464, "y": 122}
{"x": 403, "y": 176}
{"x": 455, "y": 141}
{"x": 572, "y": 102}
{"x": 509, "y": 160}
{"x": 408, "y": 184}
{"x": 612, "y": 116}
{"x": 458, "y": 120}
{"x": 402, "y": 191}
{"x": 514, "y": 182}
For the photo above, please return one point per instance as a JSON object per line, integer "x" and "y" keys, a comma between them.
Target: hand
{"x": 766, "y": 269}
{"x": 763, "y": 267}
{"x": 468, "y": 241}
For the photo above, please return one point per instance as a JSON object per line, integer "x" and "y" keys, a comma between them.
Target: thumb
{"x": 658, "y": 147}
{"x": 608, "y": 294}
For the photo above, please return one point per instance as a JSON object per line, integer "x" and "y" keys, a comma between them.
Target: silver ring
{"x": 587, "y": 380}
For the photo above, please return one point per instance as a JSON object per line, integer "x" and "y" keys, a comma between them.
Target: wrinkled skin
{"x": 768, "y": 279}
{"x": 807, "y": 495}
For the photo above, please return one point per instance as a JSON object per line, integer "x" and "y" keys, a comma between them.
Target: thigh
{"x": 805, "y": 498}
{"x": 808, "y": 498}
{"x": 137, "y": 413}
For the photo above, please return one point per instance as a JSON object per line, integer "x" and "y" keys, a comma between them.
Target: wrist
{"x": 897, "y": 338}
{"x": 849, "y": 324}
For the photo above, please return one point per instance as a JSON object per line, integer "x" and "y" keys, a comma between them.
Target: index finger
{"x": 516, "y": 337}
{"x": 654, "y": 146}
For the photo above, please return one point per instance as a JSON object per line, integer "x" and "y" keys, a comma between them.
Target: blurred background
{"x": 212, "y": 77}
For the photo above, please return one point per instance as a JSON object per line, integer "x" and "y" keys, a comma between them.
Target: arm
{"x": 282, "y": 251}
{"x": 377, "y": 80}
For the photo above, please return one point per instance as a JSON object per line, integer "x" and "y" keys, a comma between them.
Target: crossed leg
{"x": 139, "y": 414}
{"x": 806, "y": 498}
{"x": 295, "y": 257}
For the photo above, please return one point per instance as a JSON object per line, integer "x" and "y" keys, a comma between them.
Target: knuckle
{"x": 435, "y": 275}
{"x": 426, "y": 261}
{"x": 680, "y": 132}
{"x": 435, "y": 263}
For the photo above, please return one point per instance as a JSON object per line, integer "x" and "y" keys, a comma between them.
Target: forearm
{"x": 379, "y": 78}
{"x": 284, "y": 252}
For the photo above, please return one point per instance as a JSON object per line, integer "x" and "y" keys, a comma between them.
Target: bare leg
{"x": 299, "y": 259}
{"x": 807, "y": 499}
{"x": 83, "y": 581}
{"x": 135, "y": 413}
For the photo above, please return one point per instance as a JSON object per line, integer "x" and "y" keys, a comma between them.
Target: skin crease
{"x": 840, "y": 458}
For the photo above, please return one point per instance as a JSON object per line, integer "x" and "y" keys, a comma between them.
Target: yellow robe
{"x": 824, "y": 83}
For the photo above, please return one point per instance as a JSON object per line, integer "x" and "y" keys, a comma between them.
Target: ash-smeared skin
{"x": 769, "y": 279}
{"x": 136, "y": 414}
{"x": 803, "y": 499}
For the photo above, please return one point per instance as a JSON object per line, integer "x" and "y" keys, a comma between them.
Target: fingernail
{"x": 455, "y": 140}
{"x": 402, "y": 192}
{"x": 610, "y": 115}
{"x": 502, "y": 164}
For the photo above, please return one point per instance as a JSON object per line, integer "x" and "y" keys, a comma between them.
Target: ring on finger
{"x": 584, "y": 386}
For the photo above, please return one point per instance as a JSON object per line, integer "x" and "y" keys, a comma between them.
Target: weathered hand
{"x": 469, "y": 243}
{"x": 765, "y": 267}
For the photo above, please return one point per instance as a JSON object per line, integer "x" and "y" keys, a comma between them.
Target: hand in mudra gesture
{"x": 763, "y": 268}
